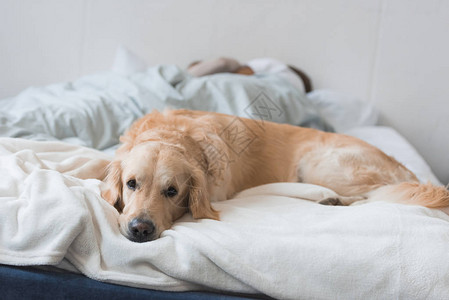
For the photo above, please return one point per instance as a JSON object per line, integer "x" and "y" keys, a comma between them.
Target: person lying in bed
{"x": 256, "y": 66}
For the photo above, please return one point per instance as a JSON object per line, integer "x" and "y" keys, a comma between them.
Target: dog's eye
{"x": 170, "y": 192}
{"x": 131, "y": 184}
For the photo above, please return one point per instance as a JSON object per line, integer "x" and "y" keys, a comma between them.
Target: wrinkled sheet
{"x": 273, "y": 239}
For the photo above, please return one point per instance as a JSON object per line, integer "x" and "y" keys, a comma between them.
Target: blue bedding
{"x": 95, "y": 110}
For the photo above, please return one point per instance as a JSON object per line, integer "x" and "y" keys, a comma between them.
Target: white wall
{"x": 394, "y": 53}
{"x": 411, "y": 78}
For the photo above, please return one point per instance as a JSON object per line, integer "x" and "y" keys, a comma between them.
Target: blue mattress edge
{"x": 33, "y": 283}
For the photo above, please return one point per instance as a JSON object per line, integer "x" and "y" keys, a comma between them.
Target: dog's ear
{"x": 113, "y": 193}
{"x": 212, "y": 154}
{"x": 199, "y": 203}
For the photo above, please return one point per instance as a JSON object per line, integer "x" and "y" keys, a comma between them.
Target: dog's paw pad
{"x": 331, "y": 201}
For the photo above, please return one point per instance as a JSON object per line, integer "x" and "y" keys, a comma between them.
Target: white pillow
{"x": 273, "y": 66}
{"x": 343, "y": 112}
{"x": 126, "y": 62}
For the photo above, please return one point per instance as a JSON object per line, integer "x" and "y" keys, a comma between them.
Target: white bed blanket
{"x": 270, "y": 239}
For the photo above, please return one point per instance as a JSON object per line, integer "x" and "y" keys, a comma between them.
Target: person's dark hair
{"x": 305, "y": 79}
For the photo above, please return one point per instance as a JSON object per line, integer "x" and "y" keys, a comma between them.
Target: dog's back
{"x": 253, "y": 152}
{"x": 347, "y": 165}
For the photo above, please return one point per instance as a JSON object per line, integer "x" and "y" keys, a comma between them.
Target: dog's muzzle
{"x": 141, "y": 230}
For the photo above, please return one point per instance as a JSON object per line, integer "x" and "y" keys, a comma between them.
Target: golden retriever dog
{"x": 178, "y": 161}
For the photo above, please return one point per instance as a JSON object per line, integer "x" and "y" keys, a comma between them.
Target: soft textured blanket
{"x": 272, "y": 239}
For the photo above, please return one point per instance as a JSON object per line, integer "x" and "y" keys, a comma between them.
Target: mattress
{"x": 35, "y": 283}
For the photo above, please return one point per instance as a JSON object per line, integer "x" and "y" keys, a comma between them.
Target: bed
{"x": 58, "y": 236}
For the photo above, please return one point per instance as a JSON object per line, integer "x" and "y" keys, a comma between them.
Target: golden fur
{"x": 209, "y": 157}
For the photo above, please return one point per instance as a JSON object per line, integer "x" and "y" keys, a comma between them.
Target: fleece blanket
{"x": 272, "y": 239}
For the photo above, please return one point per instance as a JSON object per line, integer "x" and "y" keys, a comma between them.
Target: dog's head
{"x": 154, "y": 182}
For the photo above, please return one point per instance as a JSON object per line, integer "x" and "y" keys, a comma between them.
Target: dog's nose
{"x": 141, "y": 230}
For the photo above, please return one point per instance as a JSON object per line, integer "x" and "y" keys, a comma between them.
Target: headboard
{"x": 393, "y": 53}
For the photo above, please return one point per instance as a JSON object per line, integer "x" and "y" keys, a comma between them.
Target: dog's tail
{"x": 414, "y": 193}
